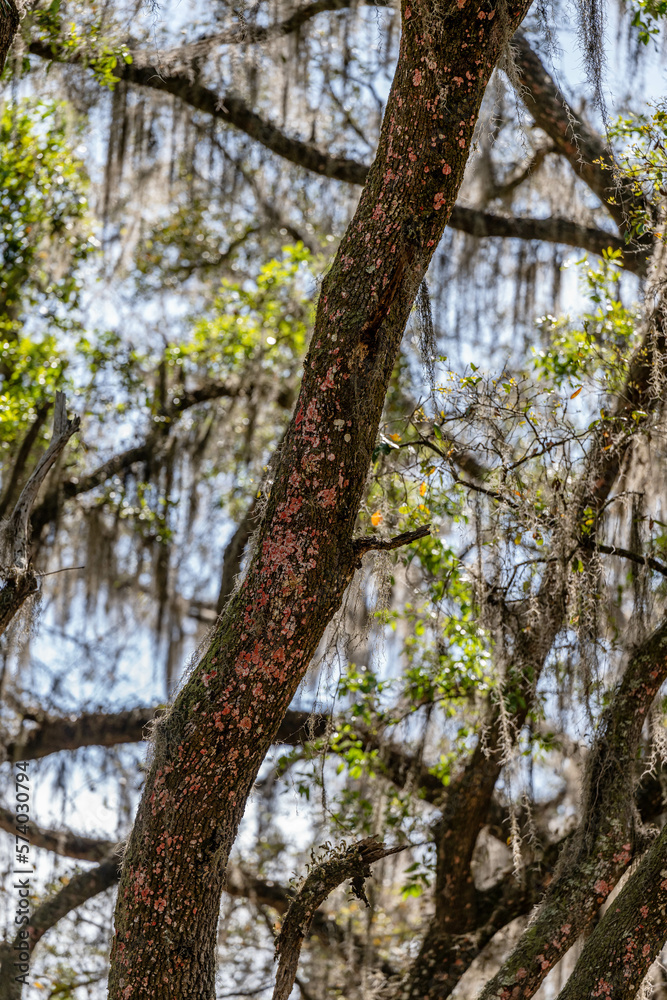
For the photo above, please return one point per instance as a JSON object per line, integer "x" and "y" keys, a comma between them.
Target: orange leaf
{"x": 422, "y": 489}
{"x": 376, "y": 519}
{"x": 576, "y": 392}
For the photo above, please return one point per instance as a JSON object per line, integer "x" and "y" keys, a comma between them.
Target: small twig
{"x": 371, "y": 542}
{"x": 63, "y": 569}
{"x": 244, "y": 993}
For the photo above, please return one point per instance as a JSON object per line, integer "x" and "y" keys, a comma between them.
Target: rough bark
{"x": 354, "y": 864}
{"x": 210, "y": 746}
{"x": 86, "y": 885}
{"x": 9, "y": 25}
{"x": 606, "y": 839}
{"x": 629, "y": 937}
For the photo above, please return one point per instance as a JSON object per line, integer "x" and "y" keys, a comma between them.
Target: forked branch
{"x": 605, "y": 842}
{"x": 630, "y": 936}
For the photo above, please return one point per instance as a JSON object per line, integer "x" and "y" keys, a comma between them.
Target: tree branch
{"x": 53, "y": 734}
{"x": 636, "y": 557}
{"x": 147, "y": 451}
{"x": 372, "y": 542}
{"x": 628, "y": 938}
{"x": 63, "y": 842}
{"x": 255, "y": 33}
{"x": 353, "y": 863}
{"x": 106, "y": 729}
{"x": 79, "y": 889}
{"x": 22, "y": 455}
{"x": 234, "y": 111}
{"x": 9, "y": 25}
{"x": 229, "y": 108}
{"x": 587, "y": 153}
{"x": 231, "y": 562}
{"x": 551, "y": 230}
{"x": 605, "y": 840}
{"x": 19, "y": 578}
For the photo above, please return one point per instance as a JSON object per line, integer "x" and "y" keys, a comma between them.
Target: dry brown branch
{"x": 372, "y": 543}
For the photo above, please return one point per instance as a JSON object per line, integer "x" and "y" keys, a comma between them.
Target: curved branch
{"x": 19, "y": 577}
{"x": 79, "y": 889}
{"x": 229, "y": 108}
{"x": 585, "y": 150}
{"x": 14, "y": 478}
{"x": 353, "y": 863}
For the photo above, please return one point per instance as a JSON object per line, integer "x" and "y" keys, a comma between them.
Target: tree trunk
{"x": 9, "y": 25}
{"x": 630, "y": 936}
{"x": 211, "y": 744}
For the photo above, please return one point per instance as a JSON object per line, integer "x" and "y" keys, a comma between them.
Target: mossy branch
{"x": 354, "y": 864}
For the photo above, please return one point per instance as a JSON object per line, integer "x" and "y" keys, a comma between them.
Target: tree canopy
{"x": 332, "y": 464}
